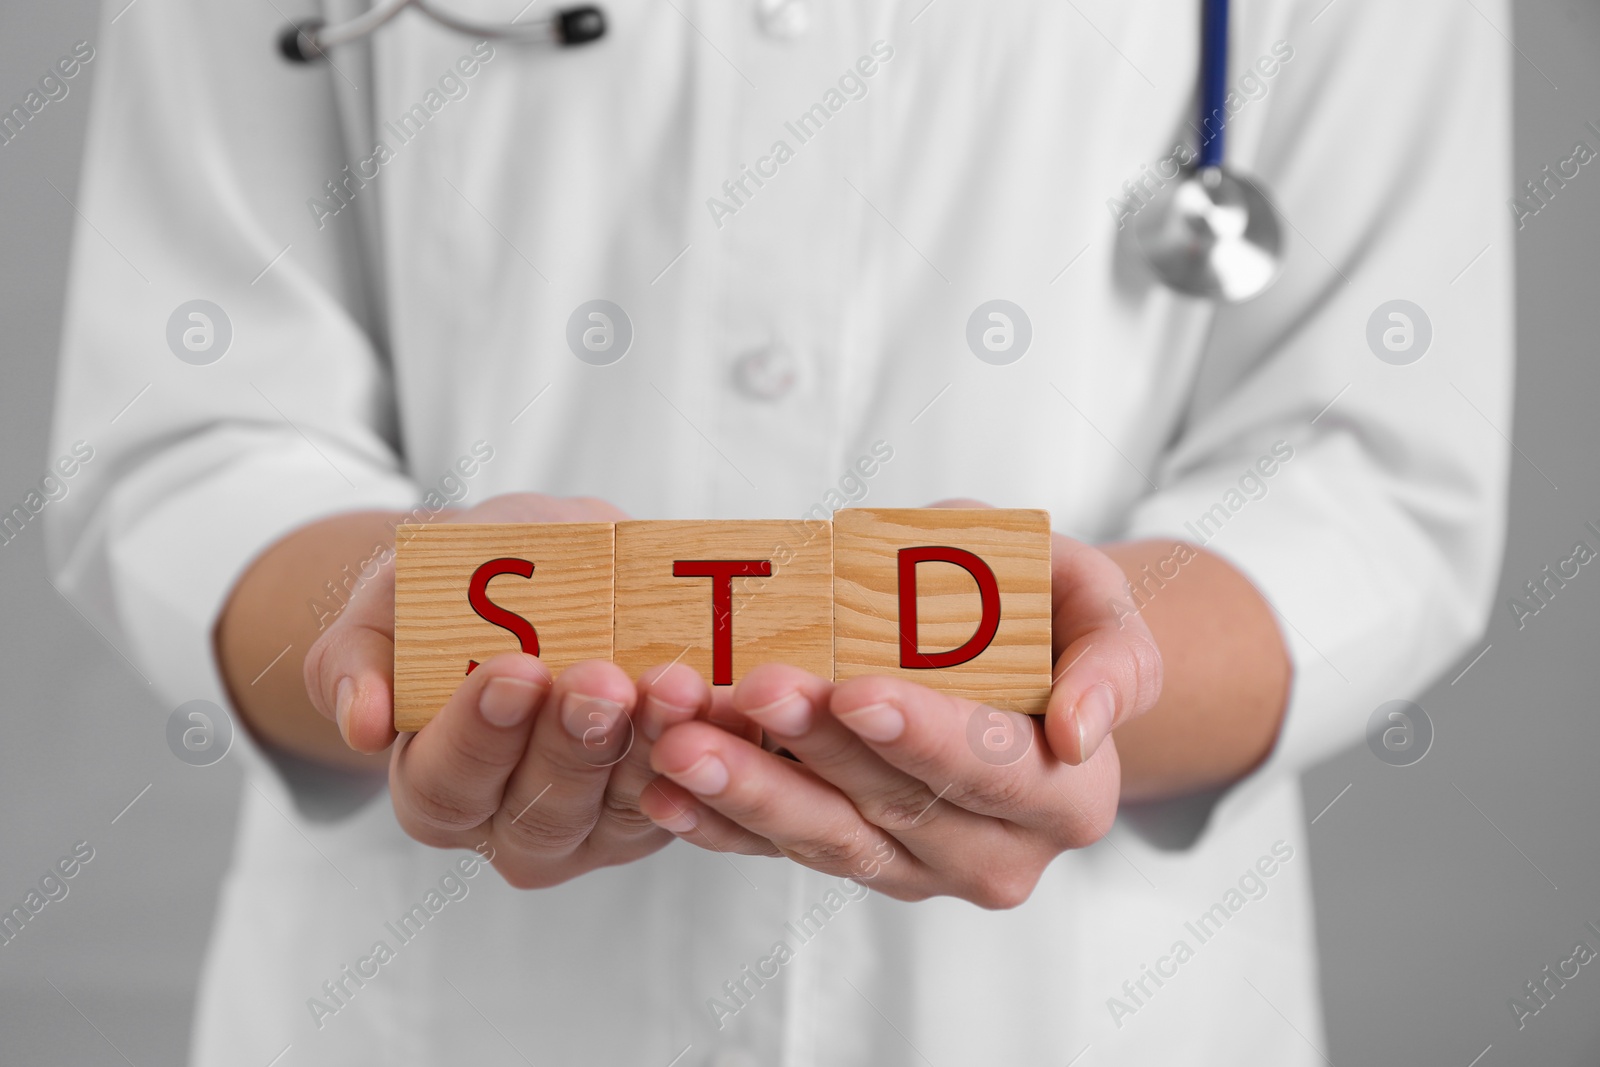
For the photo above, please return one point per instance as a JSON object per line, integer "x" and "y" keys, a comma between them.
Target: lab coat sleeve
{"x": 203, "y": 149}
{"x": 1385, "y": 144}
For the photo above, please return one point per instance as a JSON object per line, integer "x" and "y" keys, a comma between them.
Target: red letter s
{"x": 478, "y": 597}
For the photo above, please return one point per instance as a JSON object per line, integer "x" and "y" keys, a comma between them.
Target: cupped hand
{"x": 917, "y": 792}
{"x": 539, "y": 774}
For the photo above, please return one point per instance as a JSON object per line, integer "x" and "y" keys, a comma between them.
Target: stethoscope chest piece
{"x": 1211, "y": 234}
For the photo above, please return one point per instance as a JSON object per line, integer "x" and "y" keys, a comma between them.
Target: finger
{"x": 1108, "y": 668}
{"x": 667, "y": 696}
{"x": 959, "y": 502}
{"x": 676, "y": 810}
{"x": 349, "y": 670}
{"x": 553, "y": 797}
{"x": 929, "y": 734}
{"x": 451, "y": 774}
{"x": 676, "y": 685}
{"x": 786, "y": 701}
{"x": 806, "y": 818}
{"x": 537, "y": 507}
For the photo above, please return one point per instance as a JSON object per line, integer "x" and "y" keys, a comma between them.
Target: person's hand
{"x": 540, "y": 775}
{"x": 899, "y": 785}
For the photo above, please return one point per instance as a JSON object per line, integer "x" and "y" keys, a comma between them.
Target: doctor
{"x": 742, "y": 260}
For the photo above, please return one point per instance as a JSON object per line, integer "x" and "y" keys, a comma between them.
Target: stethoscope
{"x": 1212, "y": 234}
{"x": 310, "y": 39}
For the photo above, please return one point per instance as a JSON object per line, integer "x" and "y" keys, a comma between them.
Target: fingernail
{"x": 875, "y": 722}
{"x": 679, "y": 822}
{"x": 788, "y": 716}
{"x": 343, "y": 697}
{"x": 657, "y": 713}
{"x": 582, "y": 715}
{"x": 707, "y": 777}
{"x": 507, "y": 701}
{"x": 1095, "y": 712}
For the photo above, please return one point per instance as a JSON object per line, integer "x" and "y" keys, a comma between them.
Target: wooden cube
{"x": 724, "y": 596}
{"x": 465, "y": 592}
{"x": 954, "y": 599}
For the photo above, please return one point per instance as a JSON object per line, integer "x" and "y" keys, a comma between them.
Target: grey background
{"x": 1441, "y": 887}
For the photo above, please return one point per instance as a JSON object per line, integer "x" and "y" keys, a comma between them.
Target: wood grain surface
{"x": 831, "y": 603}
{"x": 784, "y": 618}
{"x": 568, "y": 600}
{"x": 1013, "y": 672}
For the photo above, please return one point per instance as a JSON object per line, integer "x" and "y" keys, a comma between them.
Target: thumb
{"x": 1109, "y": 669}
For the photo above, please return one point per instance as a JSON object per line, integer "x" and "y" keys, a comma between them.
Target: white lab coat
{"x": 773, "y": 346}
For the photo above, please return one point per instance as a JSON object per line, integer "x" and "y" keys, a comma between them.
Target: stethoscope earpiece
{"x": 580, "y": 25}
{"x": 298, "y": 43}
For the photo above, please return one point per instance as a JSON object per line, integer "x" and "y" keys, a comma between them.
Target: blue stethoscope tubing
{"x": 1213, "y": 79}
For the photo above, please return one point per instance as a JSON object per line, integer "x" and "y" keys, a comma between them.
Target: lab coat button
{"x": 765, "y": 373}
{"x": 783, "y": 19}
